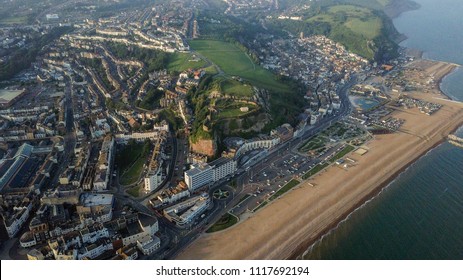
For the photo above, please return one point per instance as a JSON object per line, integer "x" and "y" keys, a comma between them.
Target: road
{"x": 242, "y": 176}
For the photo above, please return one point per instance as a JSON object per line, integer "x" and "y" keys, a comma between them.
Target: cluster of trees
{"x": 153, "y": 59}
{"x": 151, "y": 99}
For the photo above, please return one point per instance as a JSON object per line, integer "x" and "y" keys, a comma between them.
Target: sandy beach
{"x": 285, "y": 228}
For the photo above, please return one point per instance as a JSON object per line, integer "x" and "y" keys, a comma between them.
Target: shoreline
{"x": 304, "y": 248}
{"x": 301, "y": 252}
{"x": 305, "y": 225}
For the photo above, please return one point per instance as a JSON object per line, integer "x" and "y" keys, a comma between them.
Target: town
{"x": 127, "y": 136}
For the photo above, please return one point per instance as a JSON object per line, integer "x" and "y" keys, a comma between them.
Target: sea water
{"x": 420, "y": 214}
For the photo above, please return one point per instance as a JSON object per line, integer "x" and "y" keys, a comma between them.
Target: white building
{"x": 222, "y": 167}
{"x": 172, "y": 195}
{"x": 92, "y": 233}
{"x": 145, "y": 226}
{"x": 138, "y": 136}
{"x": 185, "y": 212}
{"x": 103, "y": 167}
{"x": 16, "y": 221}
{"x": 154, "y": 176}
{"x": 199, "y": 175}
{"x": 153, "y": 180}
{"x": 148, "y": 244}
{"x": 95, "y": 207}
{"x": 94, "y": 250}
{"x": 257, "y": 143}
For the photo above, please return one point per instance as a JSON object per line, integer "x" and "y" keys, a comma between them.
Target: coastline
{"x": 306, "y": 225}
{"x": 305, "y": 247}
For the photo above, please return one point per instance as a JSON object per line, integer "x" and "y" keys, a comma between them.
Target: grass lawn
{"x": 231, "y": 109}
{"x": 133, "y": 173}
{"x": 260, "y": 206}
{"x": 135, "y": 191}
{"x": 130, "y": 160}
{"x": 14, "y": 20}
{"x": 369, "y": 28}
{"x": 235, "y": 62}
{"x": 342, "y": 153}
{"x": 235, "y": 88}
{"x": 183, "y": 61}
{"x": 359, "y": 20}
{"x": 291, "y": 184}
{"x": 314, "y": 170}
{"x": 226, "y": 221}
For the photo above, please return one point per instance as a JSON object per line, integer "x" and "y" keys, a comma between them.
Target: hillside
{"x": 363, "y": 26}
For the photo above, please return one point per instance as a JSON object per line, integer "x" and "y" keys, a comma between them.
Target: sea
{"x": 420, "y": 214}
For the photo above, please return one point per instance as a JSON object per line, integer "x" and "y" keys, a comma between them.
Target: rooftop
{"x": 6, "y": 95}
{"x": 91, "y": 199}
{"x": 220, "y": 161}
{"x": 197, "y": 168}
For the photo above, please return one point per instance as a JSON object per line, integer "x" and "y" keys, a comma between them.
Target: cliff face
{"x": 204, "y": 147}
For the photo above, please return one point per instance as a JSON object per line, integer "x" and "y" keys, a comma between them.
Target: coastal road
{"x": 275, "y": 153}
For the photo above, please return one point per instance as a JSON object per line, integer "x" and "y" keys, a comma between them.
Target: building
{"x": 285, "y": 132}
{"x": 173, "y": 194}
{"x": 9, "y": 168}
{"x": 266, "y": 142}
{"x": 137, "y": 227}
{"x": 95, "y": 207}
{"x": 199, "y": 175}
{"x": 92, "y": 251}
{"x": 103, "y": 167}
{"x": 126, "y": 253}
{"x": 185, "y": 212}
{"x": 154, "y": 176}
{"x": 222, "y": 167}
{"x": 148, "y": 244}
{"x": 9, "y": 97}
{"x": 153, "y": 180}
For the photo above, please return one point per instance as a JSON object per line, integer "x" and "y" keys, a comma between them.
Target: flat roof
{"x": 92, "y": 199}
{"x": 197, "y": 168}
{"x": 6, "y": 95}
{"x": 220, "y": 161}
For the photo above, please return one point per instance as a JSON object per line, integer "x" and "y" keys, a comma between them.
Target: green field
{"x": 363, "y": 30}
{"x": 183, "y": 61}
{"x": 130, "y": 160}
{"x": 237, "y": 89}
{"x": 314, "y": 170}
{"x": 234, "y": 62}
{"x": 135, "y": 191}
{"x": 342, "y": 153}
{"x": 262, "y": 205}
{"x": 291, "y": 184}
{"x": 13, "y": 20}
{"x": 359, "y": 20}
{"x": 231, "y": 109}
{"x": 226, "y": 221}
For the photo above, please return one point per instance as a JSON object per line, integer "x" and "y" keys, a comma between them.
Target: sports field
{"x": 235, "y": 62}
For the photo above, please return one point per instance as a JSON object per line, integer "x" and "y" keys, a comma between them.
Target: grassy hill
{"x": 360, "y": 25}
{"x": 235, "y": 62}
